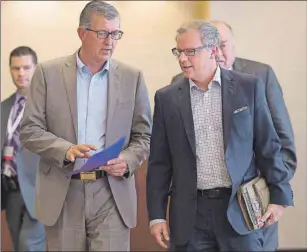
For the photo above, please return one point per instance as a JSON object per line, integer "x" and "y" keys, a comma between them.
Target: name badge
{"x": 7, "y": 170}
{"x": 8, "y": 152}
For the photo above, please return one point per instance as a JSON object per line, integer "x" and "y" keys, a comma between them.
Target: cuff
{"x": 156, "y": 221}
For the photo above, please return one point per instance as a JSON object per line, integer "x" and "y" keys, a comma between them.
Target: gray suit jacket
{"x": 276, "y": 103}
{"x": 248, "y": 150}
{"x": 26, "y": 161}
{"x": 49, "y": 128}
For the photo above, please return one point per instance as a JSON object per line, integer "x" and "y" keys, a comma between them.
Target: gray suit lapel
{"x": 184, "y": 102}
{"x": 5, "y": 112}
{"x": 70, "y": 80}
{"x": 113, "y": 90}
{"x": 228, "y": 95}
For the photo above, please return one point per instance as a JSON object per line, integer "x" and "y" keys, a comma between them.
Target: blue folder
{"x": 101, "y": 158}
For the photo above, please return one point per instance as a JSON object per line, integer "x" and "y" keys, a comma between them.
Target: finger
{"x": 266, "y": 215}
{"x": 270, "y": 221}
{"x": 92, "y": 147}
{"x": 77, "y": 153}
{"x": 103, "y": 168}
{"x": 116, "y": 174}
{"x": 165, "y": 233}
{"x": 113, "y": 161}
{"x": 159, "y": 240}
{"x": 82, "y": 148}
{"x": 71, "y": 157}
{"x": 86, "y": 155}
{"x": 117, "y": 168}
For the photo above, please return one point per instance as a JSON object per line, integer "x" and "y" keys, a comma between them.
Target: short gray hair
{"x": 209, "y": 34}
{"x": 98, "y": 7}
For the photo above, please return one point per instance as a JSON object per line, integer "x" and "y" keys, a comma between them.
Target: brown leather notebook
{"x": 254, "y": 198}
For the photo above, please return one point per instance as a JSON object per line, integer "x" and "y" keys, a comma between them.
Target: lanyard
{"x": 11, "y": 127}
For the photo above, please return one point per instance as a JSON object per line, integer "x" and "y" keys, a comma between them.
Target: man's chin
{"x": 21, "y": 85}
{"x": 187, "y": 75}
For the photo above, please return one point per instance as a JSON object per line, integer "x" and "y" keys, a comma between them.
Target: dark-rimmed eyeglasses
{"x": 102, "y": 34}
{"x": 188, "y": 51}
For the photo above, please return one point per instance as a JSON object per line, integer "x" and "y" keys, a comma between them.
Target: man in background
{"x": 18, "y": 165}
{"x": 76, "y": 105}
{"x": 228, "y": 60}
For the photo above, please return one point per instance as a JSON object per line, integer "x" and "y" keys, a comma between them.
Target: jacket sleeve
{"x": 268, "y": 151}
{"x": 159, "y": 168}
{"x": 281, "y": 120}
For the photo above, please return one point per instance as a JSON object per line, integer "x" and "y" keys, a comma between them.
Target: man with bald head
{"x": 280, "y": 116}
{"x": 227, "y": 59}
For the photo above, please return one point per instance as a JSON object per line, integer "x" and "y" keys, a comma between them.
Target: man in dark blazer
{"x": 19, "y": 174}
{"x": 274, "y": 96}
{"x": 212, "y": 131}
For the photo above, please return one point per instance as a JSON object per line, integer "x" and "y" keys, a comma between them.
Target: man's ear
{"x": 81, "y": 33}
{"x": 214, "y": 52}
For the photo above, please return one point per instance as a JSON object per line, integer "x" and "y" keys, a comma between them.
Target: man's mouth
{"x": 186, "y": 67}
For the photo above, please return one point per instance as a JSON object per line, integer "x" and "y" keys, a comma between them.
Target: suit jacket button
{"x": 194, "y": 196}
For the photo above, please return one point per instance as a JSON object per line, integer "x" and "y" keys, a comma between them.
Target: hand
{"x": 160, "y": 232}
{"x": 115, "y": 167}
{"x": 79, "y": 151}
{"x": 272, "y": 215}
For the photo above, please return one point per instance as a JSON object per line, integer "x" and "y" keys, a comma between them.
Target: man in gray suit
{"x": 208, "y": 138}
{"x": 18, "y": 165}
{"x": 77, "y": 105}
{"x": 227, "y": 59}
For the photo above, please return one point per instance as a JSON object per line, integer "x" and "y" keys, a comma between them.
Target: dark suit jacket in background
{"x": 276, "y": 104}
{"x": 27, "y": 162}
{"x": 173, "y": 152}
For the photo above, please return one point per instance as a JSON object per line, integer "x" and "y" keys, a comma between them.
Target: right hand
{"x": 160, "y": 232}
{"x": 79, "y": 151}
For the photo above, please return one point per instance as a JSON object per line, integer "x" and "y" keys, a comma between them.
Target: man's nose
{"x": 21, "y": 71}
{"x": 182, "y": 57}
{"x": 108, "y": 40}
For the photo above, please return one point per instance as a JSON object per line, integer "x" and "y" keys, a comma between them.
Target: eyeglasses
{"x": 189, "y": 51}
{"x": 102, "y": 34}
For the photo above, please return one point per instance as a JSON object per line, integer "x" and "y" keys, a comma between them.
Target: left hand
{"x": 272, "y": 214}
{"x": 115, "y": 167}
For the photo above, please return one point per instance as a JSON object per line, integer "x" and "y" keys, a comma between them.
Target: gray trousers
{"x": 89, "y": 221}
{"x": 27, "y": 234}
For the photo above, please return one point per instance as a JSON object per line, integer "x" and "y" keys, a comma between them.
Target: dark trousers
{"x": 213, "y": 231}
{"x": 27, "y": 234}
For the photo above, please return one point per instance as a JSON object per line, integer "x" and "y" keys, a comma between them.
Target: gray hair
{"x": 98, "y": 7}
{"x": 209, "y": 34}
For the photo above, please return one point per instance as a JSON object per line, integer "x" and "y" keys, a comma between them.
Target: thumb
{"x": 165, "y": 232}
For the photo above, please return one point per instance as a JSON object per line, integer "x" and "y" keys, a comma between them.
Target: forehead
{"x": 17, "y": 61}
{"x": 189, "y": 39}
{"x": 224, "y": 32}
{"x": 99, "y": 22}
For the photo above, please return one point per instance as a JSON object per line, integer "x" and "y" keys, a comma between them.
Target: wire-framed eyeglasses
{"x": 188, "y": 51}
{"x": 103, "y": 34}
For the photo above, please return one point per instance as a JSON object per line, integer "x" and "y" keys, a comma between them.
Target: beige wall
{"x": 271, "y": 32}
{"x": 50, "y": 28}
{"x": 275, "y": 33}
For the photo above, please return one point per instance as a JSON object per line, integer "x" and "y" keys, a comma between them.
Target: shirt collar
{"x": 81, "y": 66}
{"x": 18, "y": 96}
{"x": 216, "y": 78}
